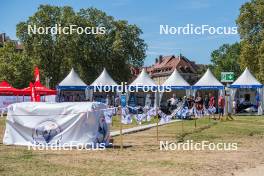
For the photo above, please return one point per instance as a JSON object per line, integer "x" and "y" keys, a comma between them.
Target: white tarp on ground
{"x": 57, "y": 124}
{"x": 104, "y": 80}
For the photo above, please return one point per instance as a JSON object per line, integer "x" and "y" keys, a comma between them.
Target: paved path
{"x": 139, "y": 128}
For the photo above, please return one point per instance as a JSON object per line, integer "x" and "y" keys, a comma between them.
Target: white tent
{"x": 176, "y": 81}
{"x": 247, "y": 80}
{"x": 72, "y": 82}
{"x": 208, "y": 81}
{"x": 104, "y": 80}
{"x": 143, "y": 80}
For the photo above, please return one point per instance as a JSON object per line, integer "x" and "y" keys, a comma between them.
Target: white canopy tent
{"x": 247, "y": 80}
{"x": 144, "y": 82}
{"x": 104, "y": 80}
{"x": 72, "y": 82}
{"x": 73, "y": 86}
{"x": 208, "y": 81}
{"x": 176, "y": 82}
{"x": 104, "y": 83}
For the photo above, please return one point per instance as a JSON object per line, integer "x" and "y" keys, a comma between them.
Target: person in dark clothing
{"x": 206, "y": 101}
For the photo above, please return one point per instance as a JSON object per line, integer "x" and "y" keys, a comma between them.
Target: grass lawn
{"x": 142, "y": 155}
{"x": 116, "y": 123}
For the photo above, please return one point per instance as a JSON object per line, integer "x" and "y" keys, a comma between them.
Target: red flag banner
{"x": 36, "y": 74}
{"x": 33, "y": 93}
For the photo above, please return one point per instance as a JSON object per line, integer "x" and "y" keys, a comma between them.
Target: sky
{"x": 148, "y": 15}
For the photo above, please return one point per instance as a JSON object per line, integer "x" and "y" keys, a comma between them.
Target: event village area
{"x": 78, "y": 113}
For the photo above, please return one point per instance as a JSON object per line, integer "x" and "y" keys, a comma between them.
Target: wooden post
{"x": 182, "y": 126}
{"x": 121, "y": 129}
{"x": 157, "y": 128}
{"x": 195, "y": 122}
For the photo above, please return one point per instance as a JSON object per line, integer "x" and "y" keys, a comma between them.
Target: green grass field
{"x": 142, "y": 156}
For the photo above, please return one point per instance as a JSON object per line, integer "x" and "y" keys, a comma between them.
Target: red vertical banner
{"x": 36, "y": 75}
{"x": 33, "y": 93}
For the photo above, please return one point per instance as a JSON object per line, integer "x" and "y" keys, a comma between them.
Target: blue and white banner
{"x": 38, "y": 123}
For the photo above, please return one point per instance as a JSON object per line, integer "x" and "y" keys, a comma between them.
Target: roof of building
{"x": 167, "y": 64}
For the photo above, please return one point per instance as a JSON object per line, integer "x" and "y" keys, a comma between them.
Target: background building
{"x": 4, "y": 38}
{"x": 165, "y": 65}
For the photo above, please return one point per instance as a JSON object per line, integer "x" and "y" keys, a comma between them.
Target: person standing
{"x": 199, "y": 105}
{"x": 172, "y": 103}
{"x": 211, "y": 106}
{"x": 221, "y": 106}
{"x": 117, "y": 101}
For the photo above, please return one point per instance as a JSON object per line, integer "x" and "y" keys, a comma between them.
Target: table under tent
{"x": 208, "y": 84}
{"x": 179, "y": 88}
{"x": 103, "y": 89}
{"x": 246, "y": 94}
{"x": 72, "y": 89}
{"x": 142, "y": 91}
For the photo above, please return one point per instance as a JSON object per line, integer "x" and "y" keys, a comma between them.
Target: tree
{"x": 15, "y": 67}
{"x": 251, "y": 29}
{"x": 226, "y": 58}
{"x": 117, "y": 50}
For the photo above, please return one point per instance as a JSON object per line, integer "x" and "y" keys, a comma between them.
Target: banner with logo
{"x": 39, "y": 123}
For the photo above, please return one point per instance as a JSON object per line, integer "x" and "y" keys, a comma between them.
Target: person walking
{"x": 221, "y": 106}
{"x": 211, "y": 108}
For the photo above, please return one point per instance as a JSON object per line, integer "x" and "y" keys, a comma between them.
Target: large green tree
{"x": 251, "y": 29}
{"x": 15, "y": 67}
{"x": 117, "y": 50}
{"x": 226, "y": 58}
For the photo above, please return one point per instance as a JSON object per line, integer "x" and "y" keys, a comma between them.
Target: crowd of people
{"x": 199, "y": 105}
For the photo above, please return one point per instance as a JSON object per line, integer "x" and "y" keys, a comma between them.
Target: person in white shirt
{"x": 173, "y": 101}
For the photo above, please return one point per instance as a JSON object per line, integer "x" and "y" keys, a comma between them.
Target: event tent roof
{"x": 246, "y": 80}
{"x": 72, "y": 82}
{"x": 143, "y": 79}
{"x": 40, "y": 89}
{"x": 7, "y": 89}
{"x": 208, "y": 81}
{"x": 104, "y": 80}
{"x": 176, "y": 81}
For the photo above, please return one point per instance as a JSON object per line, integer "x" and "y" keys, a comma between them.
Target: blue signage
{"x": 123, "y": 100}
